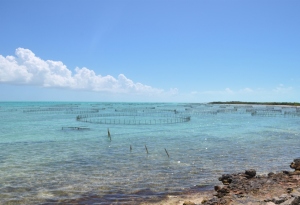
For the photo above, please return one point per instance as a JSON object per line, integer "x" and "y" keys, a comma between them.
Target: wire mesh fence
{"x": 54, "y": 110}
{"x": 133, "y": 118}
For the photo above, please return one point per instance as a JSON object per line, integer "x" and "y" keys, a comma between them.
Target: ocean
{"x": 125, "y": 153}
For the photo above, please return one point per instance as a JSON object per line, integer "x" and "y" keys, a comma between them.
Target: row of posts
{"x": 109, "y": 136}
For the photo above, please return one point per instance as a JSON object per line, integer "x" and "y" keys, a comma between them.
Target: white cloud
{"x": 173, "y": 91}
{"x": 10, "y": 71}
{"x": 229, "y": 91}
{"x": 246, "y": 90}
{"x": 26, "y": 68}
{"x": 282, "y": 89}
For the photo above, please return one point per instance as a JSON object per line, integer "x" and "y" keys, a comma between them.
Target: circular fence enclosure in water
{"x": 134, "y": 118}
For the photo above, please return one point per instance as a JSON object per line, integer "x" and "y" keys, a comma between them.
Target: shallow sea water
{"x": 60, "y": 152}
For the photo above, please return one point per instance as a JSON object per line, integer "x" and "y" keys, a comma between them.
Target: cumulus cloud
{"x": 26, "y": 68}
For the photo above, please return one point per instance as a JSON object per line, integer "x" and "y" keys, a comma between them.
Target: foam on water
{"x": 43, "y": 158}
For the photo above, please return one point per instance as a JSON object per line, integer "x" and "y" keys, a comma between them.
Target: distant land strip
{"x": 257, "y": 103}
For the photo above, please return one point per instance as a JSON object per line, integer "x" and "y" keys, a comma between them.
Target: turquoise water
{"x": 54, "y": 152}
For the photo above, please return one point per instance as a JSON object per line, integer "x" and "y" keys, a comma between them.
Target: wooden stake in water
{"x": 130, "y": 148}
{"x": 108, "y": 134}
{"x": 146, "y": 149}
{"x": 167, "y": 153}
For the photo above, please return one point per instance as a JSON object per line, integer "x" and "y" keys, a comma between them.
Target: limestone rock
{"x": 296, "y": 164}
{"x": 250, "y": 173}
{"x": 270, "y": 174}
{"x": 296, "y": 201}
{"x": 281, "y": 199}
{"x": 247, "y": 188}
{"x": 226, "y": 179}
{"x": 217, "y": 188}
{"x": 292, "y": 201}
{"x": 223, "y": 192}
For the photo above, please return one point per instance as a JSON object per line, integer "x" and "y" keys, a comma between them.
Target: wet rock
{"x": 277, "y": 200}
{"x": 212, "y": 201}
{"x": 226, "y": 179}
{"x": 224, "y": 201}
{"x": 222, "y": 192}
{"x": 281, "y": 199}
{"x": 292, "y": 201}
{"x": 217, "y": 188}
{"x": 240, "y": 195}
{"x": 296, "y": 164}
{"x": 296, "y": 201}
{"x": 295, "y": 193}
{"x": 217, "y": 201}
{"x": 270, "y": 174}
{"x": 267, "y": 200}
{"x": 250, "y": 173}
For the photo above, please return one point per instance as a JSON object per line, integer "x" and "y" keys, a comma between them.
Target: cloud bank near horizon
{"x": 25, "y": 68}
{"x": 28, "y": 69}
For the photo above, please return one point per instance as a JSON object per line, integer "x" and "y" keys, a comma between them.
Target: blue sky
{"x": 156, "y": 51}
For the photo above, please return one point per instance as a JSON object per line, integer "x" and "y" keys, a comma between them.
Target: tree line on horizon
{"x": 257, "y": 103}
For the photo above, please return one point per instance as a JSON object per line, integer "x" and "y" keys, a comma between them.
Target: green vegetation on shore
{"x": 257, "y": 103}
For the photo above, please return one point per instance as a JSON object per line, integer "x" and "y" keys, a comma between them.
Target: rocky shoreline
{"x": 250, "y": 189}
{"x": 247, "y": 188}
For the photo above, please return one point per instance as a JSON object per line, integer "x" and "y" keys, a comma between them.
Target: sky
{"x": 150, "y": 50}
